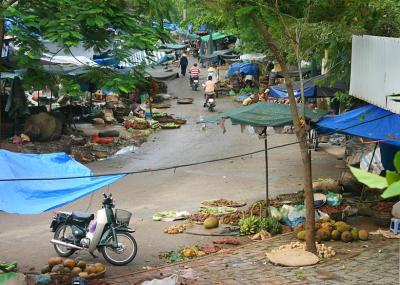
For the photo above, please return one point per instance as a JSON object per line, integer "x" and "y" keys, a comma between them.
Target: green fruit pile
{"x": 327, "y": 229}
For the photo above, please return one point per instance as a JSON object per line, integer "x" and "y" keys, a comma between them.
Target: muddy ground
{"x": 26, "y": 237}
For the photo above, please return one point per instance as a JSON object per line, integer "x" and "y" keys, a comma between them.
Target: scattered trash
{"x": 171, "y": 280}
{"x": 125, "y": 150}
{"x": 169, "y": 216}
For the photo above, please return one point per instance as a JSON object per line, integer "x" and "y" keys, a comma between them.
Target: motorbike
{"x": 194, "y": 83}
{"x": 110, "y": 233}
{"x": 210, "y": 101}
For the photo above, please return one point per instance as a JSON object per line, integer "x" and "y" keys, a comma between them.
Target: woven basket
{"x": 365, "y": 208}
{"x": 382, "y": 218}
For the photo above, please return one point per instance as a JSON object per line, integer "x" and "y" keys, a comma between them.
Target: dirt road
{"x": 26, "y": 238}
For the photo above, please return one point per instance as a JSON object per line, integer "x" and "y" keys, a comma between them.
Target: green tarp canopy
{"x": 264, "y": 114}
{"x": 215, "y": 36}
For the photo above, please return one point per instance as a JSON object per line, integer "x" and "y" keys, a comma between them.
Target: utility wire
{"x": 187, "y": 164}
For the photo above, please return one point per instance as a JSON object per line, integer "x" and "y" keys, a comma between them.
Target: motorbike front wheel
{"x": 124, "y": 253}
{"x": 65, "y": 236}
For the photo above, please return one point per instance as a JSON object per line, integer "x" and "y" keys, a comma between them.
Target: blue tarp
{"x": 276, "y": 92}
{"x": 245, "y": 67}
{"x": 370, "y": 122}
{"x": 36, "y": 196}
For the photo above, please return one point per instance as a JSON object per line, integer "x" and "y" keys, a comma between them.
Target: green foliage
{"x": 253, "y": 224}
{"x": 118, "y": 25}
{"x": 391, "y": 182}
{"x": 270, "y": 224}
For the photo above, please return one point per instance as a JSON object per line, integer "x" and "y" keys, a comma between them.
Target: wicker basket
{"x": 382, "y": 217}
{"x": 365, "y": 208}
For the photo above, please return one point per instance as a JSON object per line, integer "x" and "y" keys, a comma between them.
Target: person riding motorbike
{"x": 209, "y": 89}
{"x": 194, "y": 73}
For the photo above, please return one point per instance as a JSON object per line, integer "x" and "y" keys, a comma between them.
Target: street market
{"x": 186, "y": 151}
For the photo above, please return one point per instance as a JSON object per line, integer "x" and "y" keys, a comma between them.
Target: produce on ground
{"x": 175, "y": 229}
{"x": 136, "y": 123}
{"x": 75, "y": 267}
{"x": 211, "y": 222}
{"x": 191, "y": 252}
{"x": 198, "y": 217}
{"x": 165, "y": 120}
{"x": 253, "y": 224}
{"x": 217, "y": 210}
{"x": 328, "y": 229}
{"x": 323, "y": 251}
{"x": 170, "y": 126}
{"x": 232, "y": 219}
{"x": 8, "y": 267}
{"x": 262, "y": 235}
{"x": 227, "y": 240}
{"x": 332, "y": 209}
{"x": 210, "y": 248}
{"x": 222, "y": 203}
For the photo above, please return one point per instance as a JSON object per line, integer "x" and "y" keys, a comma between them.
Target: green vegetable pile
{"x": 217, "y": 210}
{"x": 252, "y": 225}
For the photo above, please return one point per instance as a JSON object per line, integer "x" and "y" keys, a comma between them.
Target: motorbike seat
{"x": 82, "y": 216}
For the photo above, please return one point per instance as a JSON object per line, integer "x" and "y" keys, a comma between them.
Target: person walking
{"x": 183, "y": 63}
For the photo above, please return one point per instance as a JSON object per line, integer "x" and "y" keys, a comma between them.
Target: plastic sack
{"x": 274, "y": 212}
{"x": 295, "y": 215}
{"x": 319, "y": 215}
{"x": 334, "y": 199}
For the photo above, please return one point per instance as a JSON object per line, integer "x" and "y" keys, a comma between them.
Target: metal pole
{"x": 266, "y": 174}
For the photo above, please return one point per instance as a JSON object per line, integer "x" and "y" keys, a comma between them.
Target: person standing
{"x": 183, "y": 63}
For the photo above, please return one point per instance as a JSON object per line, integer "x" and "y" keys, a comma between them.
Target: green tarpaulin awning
{"x": 264, "y": 114}
{"x": 215, "y": 36}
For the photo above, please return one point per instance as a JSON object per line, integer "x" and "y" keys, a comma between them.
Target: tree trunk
{"x": 300, "y": 130}
{"x": 2, "y": 33}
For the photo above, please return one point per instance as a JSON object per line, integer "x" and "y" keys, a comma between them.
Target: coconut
{"x": 346, "y": 236}
{"x": 335, "y": 235}
{"x": 363, "y": 235}
{"x": 323, "y": 234}
{"x": 301, "y": 235}
{"x": 211, "y": 222}
{"x": 354, "y": 233}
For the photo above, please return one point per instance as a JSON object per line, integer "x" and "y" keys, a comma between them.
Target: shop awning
{"x": 215, "y": 36}
{"x": 370, "y": 122}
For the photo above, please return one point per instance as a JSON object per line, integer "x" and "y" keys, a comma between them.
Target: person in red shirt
{"x": 194, "y": 73}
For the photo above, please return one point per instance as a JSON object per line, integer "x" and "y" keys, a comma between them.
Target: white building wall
{"x": 375, "y": 71}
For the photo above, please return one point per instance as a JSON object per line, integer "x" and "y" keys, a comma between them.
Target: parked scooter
{"x": 210, "y": 101}
{"x": 109, "y": 233}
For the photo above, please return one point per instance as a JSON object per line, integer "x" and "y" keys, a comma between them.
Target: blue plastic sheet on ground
{"x": 36, "y": 196}
{"x": 370, "y": 122}
{"x": 276, "y": 92}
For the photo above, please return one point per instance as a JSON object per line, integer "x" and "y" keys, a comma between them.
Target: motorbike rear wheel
{"x": 59, "y": 234}
{"x": 125, "y": 242}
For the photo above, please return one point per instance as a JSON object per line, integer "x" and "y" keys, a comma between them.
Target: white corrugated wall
{"x": 375, "y": 70}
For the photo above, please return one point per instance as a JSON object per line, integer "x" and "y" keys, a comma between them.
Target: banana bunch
{"x": 249, "y": 225}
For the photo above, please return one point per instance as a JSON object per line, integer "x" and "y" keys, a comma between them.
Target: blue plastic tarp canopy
{"x": 370, "y": 122}
{"x": 247, "y": 68}
{"x": 276, "y": 92}
{"x": 37, "y": 196}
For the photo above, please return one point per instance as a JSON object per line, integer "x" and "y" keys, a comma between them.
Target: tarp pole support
{"x": 266, "y": 174}
{"x": 369, "y": 168}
